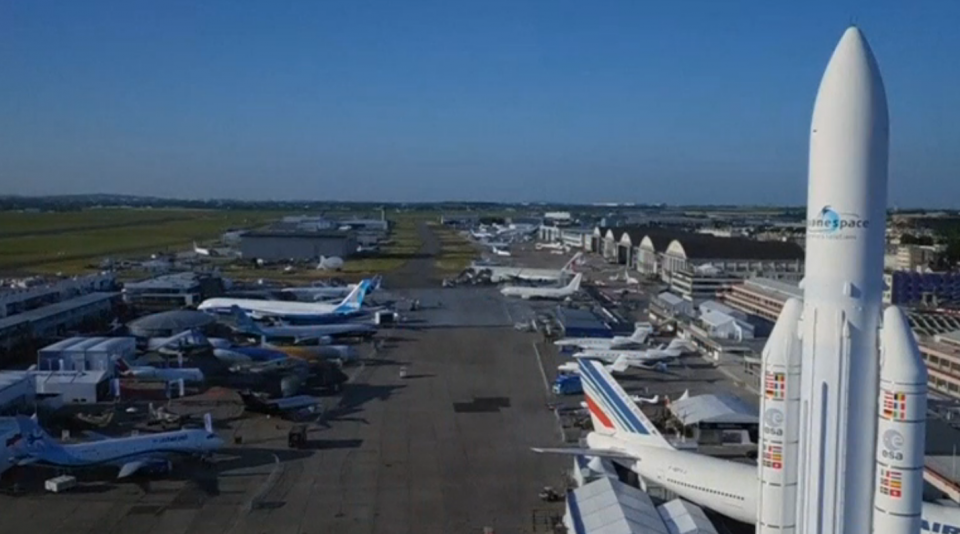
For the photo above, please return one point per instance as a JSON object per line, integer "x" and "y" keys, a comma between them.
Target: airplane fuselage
{"x": 729, "y": 488}
{"x": 127, "y": 449}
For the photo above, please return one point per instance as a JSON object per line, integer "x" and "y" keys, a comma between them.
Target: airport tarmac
{"x": 446, "y": 449}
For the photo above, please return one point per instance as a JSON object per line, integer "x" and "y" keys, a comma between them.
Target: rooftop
{"x": 67, "y": 377}
{"x": 187, "y": 280}
{"x": 705, "y": 247}
{"x": 52, "y": 310}
{"x": 683, "y": 517}
{"x": 92, "y": 344}
{"x": 722, "y": 408}
{"x": 330, "y": 234}
{"x": 607, "y": 506}
{"x": 776, "y": 288}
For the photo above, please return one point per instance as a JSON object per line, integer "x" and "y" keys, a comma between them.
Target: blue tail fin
{"x": 34, "y": 441}
{"x": 354, "y": 300}
{"x": 244, "y": 321}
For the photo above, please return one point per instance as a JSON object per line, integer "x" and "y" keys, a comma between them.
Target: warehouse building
{"x": 53, "y": 320}
{"x": 172, "y": 291}
{"x": 29, "y": 296}
{"x": 582, "y": 323}
{"x": 651, "y": 248}
{"x": 702, "y": 283}
{"x": 576, "y": 238}
{"x": 74, "y": 387}
{"x": 297, "y": 246}
{"x": 717, "y": 419}
{"x": 737, "y": 256}
{"x": 761, "y": 297}
{"x": 913, "y": 288}
{"x": 86, "y": 354}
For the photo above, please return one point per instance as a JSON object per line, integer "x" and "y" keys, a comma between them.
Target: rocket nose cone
{"x": 853, "y": 79}
{"x": 902, "y": 361}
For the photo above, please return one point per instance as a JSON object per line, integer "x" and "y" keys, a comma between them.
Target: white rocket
{"x": 819, "y": 447}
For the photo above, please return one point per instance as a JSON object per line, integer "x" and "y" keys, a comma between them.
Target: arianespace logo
{"x": 834, "y": 224}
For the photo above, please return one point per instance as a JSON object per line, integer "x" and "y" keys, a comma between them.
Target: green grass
{"x": 71, "y": 242}
{"x": 456, "y": 252}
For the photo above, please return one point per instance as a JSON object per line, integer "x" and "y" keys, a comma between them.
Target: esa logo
{"x": 832, "y": 223}
{"x": 892, "y": 445}
{"x": 773, "y": 422}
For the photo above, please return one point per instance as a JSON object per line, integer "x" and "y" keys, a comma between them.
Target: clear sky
{"x": 402, "y": 100}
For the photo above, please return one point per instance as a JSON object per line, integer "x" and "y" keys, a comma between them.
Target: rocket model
{"x": 823, "y": 469}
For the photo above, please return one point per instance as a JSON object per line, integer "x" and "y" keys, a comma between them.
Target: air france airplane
{"x": 32, "y": 445}
{"x": 623, "y": 433}
{"x": 293, "y": 310}
{"x": 661, "y": 353}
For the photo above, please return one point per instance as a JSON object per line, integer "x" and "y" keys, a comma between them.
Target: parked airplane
{"x": 259, "y": 404}
{"x": 178, "y": 343}
{"x": 301, "y": 332}
{"x": 501, "y": 251}
{"x": 296, "y": 310}
{"x": 639, "y": 336}
{"x": 663, "y": 352}
{"x": 32, "y": 445}
{"x": 502, "y": 274}
{"x": 331, "y": 263}
{"x": 549, "y": 246}
{"x": 622, "y": 433}
{"x": 314, "y": 294}
{"x": 201, "y": 251}
{"x": 167, "y": 374}
{"x": 555, "y": 293}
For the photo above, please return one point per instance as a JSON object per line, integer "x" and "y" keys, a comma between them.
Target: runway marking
{"x": 546, "y": 386}
{"x": 543, "y": 372}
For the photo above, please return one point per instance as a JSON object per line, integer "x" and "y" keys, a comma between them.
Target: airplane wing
{"x": 132, "y": 467}
{"x": 602, "y": 453}
{"x": 95, "y": 436}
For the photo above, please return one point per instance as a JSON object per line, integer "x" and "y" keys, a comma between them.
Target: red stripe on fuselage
{"x": 598, "y": 413}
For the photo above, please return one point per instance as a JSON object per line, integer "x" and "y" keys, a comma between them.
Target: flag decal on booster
{"x": 775, "y": 385}
{"x": 894, "y": 405}
{"x": 608, "y": 401}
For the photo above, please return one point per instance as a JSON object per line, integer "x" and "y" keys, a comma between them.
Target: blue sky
{"x": 679, "y": 102}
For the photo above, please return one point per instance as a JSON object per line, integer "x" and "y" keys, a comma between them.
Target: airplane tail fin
{"x": 208, "y": 423}
{"x": 612, "y": 410}
{"x": 122, "y": 365}
{"x": 570, "y": 266}
{"x": 641, "y": 333}
{"x": 575, "y": 283}
{"x": 33, "y": 440}
{"x": 244, "y": 320}
{"x": 354, "y": 300}
{"x": 375, "y": 283}
{"x": 620, "y": 364}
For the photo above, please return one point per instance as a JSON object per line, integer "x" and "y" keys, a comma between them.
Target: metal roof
{"x": 174, "y": 320}
{"x": 713, "y": 409}
{"x": 703, "y": 246}
{"x": 52, "y": 310}
{"x": 574, "y": 318}
{"x": 187, "y": 280}
{"x": 682, "y": 517}
{"x": 68, "y": 377}
{"x": 608, "y": 506}
{"x": 714, "y": 306}
{"x": 669, "y": 298}
{"x": 782, "y": 289}
{"x": 92, "y": 344}
{"x": 325, "y": 234}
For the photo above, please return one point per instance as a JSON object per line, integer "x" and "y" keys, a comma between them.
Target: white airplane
{"x": 623, "y": 433}
{"x": 502, "y": 274}
{"x": 178, "y": 343}
{"x": 554, "y": 293}
{"x": 32, "y": 445}
{"x": 639, "y": 336}
{"x": 314, "y": 294}
{"x": 332, "y": 263}
{"x": 167, "y": 374}
{"x": 201, "y": 251}
{"x": 663, "y": 352}
{"x": 549, "y": 246}
{"x": 501, "y": 251}
{"x": 297, "y": 310}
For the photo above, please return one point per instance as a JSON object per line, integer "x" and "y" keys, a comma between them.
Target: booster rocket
{"x": 822, "y": 365}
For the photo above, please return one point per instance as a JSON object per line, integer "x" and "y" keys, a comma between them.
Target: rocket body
{"x": 780, "y": 411}
{"x": 901, "y": 429}
{"x": 843, "y": 287}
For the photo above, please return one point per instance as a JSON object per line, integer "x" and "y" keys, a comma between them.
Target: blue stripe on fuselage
{"x": 617, "y": 403}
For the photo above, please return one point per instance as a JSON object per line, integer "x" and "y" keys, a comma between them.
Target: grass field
{"x": 70, "y": 242}
{"x": 456, "y": 252}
